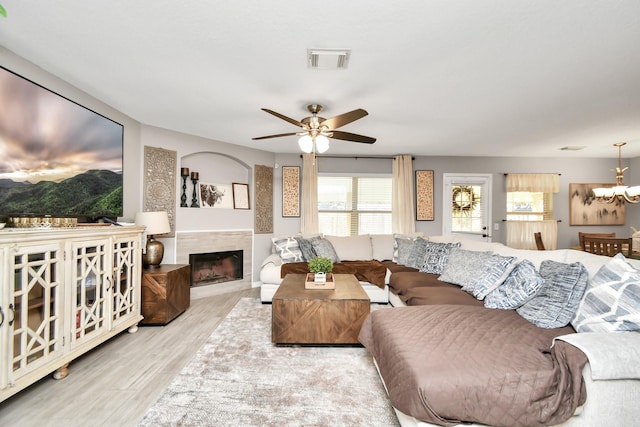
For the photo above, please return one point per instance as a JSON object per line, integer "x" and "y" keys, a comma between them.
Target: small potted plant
{"x": 320, "y": 266}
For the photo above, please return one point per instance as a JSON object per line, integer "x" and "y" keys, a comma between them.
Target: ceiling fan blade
{"x": 343, "y": 119}
{"x": 347, "y": 136}
{"x": 274, "y": 136}
{"x": 285, "y": 118}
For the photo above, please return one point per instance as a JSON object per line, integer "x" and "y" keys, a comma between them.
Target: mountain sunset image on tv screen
{"x": 57, "y": 157}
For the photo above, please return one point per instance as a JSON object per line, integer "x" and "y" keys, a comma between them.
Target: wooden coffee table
{"x": 310, "y": 316}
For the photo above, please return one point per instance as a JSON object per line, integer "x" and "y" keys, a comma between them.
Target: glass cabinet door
{"x": 34, "y": 316}
{"x": 126, "y": 267}
{"x": 91, "y": 280}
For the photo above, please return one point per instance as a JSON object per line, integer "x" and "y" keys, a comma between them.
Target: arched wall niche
{"x": 215, "y": 167}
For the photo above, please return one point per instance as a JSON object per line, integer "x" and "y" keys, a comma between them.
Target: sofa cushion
{"x": 324, "y": 248}
{"x": 556, "y": 303}
{"x": 382, "y": 246}
{"x": 287, "y": 249}
{"x": 464, "y": 266}
{"x": 449, "y": 294}
{"x": 495, "y": 272}
{"x": 611, "y": 302}
{"x": 352, "y": 248}
{"x": 522, "y": 284}
{"x": 436, "y": 256}
{"x": 306, "y": 247}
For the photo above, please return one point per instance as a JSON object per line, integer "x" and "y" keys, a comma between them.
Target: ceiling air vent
{"x": 573, "y": 148}
{"x": 328, "y": 59}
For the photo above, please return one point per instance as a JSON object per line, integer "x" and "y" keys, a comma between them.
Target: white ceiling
{"x": 438, "y": 77}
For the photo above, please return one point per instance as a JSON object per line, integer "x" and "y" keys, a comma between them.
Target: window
{"x": 352, "y": 205}
{"x": 529, "y": 206}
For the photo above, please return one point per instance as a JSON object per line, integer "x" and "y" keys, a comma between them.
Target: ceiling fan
{"x": 316, "y": 130}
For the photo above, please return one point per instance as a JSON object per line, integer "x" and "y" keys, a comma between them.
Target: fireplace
{"x": 216, "y": 267}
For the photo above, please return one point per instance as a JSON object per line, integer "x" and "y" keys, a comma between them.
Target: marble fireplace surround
{"x": 193, "y": 242}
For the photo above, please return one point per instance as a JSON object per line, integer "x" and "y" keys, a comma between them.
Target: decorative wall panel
{"x": 263, "y": 187}
{"x": 424, "y": 196}
{"x": 160, "y": 168}
{"x": 291, "y": 191}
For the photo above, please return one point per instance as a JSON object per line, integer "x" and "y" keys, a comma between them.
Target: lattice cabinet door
{"x": 92, "y": 279}
{"x": 126, "y": 271}
{"x": 36, "y": 305}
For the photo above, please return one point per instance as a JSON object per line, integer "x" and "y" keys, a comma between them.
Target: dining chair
{"x": 582, "y": 235}
{"x": 539, "y": 243}
{"x": 608, "y": 246}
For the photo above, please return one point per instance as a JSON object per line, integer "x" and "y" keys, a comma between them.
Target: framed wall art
{"x": 215, "y": 195}
{"x": 263, "y": 199}
{"x": 424, "y": 195}
{"x": 240, "y": 195}
{"x": 584, "y": 209}
{"x": 291, "y": 191}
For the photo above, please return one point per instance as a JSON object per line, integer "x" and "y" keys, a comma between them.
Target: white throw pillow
{"x": 382, "y": 246}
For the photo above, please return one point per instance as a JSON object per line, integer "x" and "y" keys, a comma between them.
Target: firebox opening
{"x": 215, "y": 267}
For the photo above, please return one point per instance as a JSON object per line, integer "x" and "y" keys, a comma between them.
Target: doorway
{"x": 467, "y": 205}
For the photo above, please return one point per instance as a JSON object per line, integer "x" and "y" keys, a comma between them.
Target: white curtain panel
{"x": 309, "y": 214}
{"x": 520, "y": 234}
{"x": 403, "y": 213}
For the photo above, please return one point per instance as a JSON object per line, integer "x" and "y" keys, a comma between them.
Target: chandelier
{"x": 620, "y": 192}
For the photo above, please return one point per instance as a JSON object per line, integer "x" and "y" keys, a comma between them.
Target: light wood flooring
{"x": 114, "y": 384}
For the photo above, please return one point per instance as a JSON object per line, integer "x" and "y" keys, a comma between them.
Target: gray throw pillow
{"x": 495, "y": 272}
{"x": 306, "y": 247}
{"x": 436, "y": 256}
{"x": 522, "y": 284}
{"x": 612, "y": 300}
{"x": 324, "y": 248}
{"x": 418, "y": 251}
{"x": 404, "y": 250}
{"x": 464, "y": 266}
{"x": 557, "y": 302}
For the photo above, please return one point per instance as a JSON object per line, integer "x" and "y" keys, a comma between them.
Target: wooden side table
{"x": 165, "y": 293}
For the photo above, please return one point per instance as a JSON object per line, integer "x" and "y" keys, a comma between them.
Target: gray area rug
{"x": 239, "y": 378}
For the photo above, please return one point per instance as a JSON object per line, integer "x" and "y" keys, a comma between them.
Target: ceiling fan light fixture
{"x": 322, "y": 143}
{"x": 306, "y": 144}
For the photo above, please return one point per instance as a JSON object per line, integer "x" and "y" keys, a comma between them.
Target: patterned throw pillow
{"x": 306, "y": 247}
{"x": 436, "y": 256}
{"x": 287, "y": 249}
{"x": 522, "y": 284}
{"x": 556, "y": 303}
{"x": 464, "y": 266}
{"x": 404, "y": 246}
{"x": 612, "y": 300}
{"x": 417, "y": 254}
{"x": 324, "y": 248}
{"x": 494, "y": 273}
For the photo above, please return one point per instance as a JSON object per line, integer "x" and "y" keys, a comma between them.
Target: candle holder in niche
{"x": 195, "y": 176}
{"x": 184, "y": 172}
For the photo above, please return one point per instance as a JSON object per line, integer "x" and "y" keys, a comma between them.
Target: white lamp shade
{"x": 633, "y": 191}
{"x": 156, "y": 222}
{"x": 322, "y": 143}
{"x": 306, "y": 144}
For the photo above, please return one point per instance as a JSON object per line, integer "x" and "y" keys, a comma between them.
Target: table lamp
{"x": 156, "y": 223}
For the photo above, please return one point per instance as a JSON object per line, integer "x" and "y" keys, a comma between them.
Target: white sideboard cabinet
{"x": 62, "y": 293}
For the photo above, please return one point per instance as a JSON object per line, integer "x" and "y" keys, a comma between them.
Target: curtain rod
{"x": 356, "y": 157}
{"x": 516, "y": 220}
{"x": 524, "y": 173}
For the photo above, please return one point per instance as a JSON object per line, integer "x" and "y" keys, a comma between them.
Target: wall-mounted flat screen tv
{"x": 57, "y": 157}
